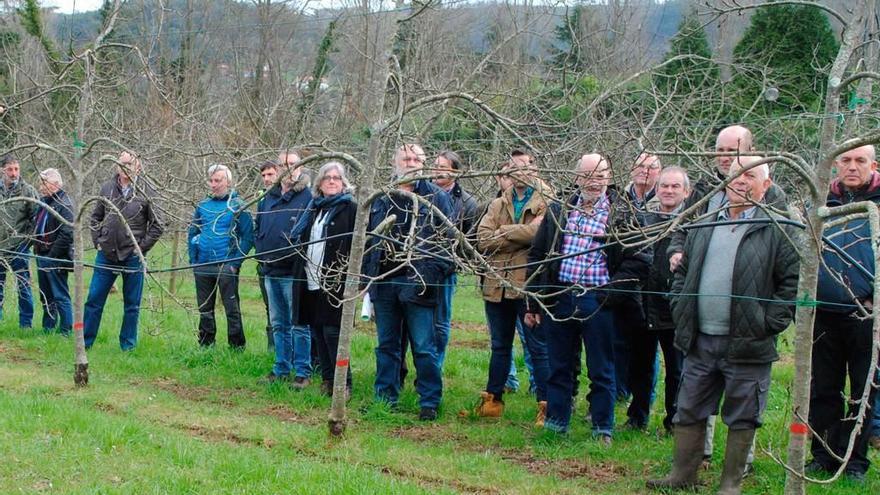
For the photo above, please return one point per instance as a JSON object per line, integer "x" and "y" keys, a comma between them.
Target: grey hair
{"x": 746, "y": 160}
{"x": 319, "y": 177}
{"x": 213, "y": 169}
{"x": 52, "y": 176}
{"x": 682, "y": 171}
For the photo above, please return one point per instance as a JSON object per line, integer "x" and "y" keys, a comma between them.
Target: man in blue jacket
{"x": 220, "y": 235}
{"x": 277, "y": 214}
{"x": 842, "y": 338}
{"x": 405, "y": 275}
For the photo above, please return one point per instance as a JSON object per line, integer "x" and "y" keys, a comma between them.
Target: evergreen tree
{"x": 567, "y": 52}
{"x": 788, "y": 42}
{"x": 687, "y": 75}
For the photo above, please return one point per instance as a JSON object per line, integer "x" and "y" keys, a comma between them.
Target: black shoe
{"x": 635, "y": 425}
{"x": 300, "y": 383}
{"x": 857, "y": 477}
{"x": 815, "y": 466}
{"x": 427, "y": 414}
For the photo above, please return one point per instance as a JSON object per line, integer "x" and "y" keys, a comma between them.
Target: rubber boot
{"x": 542, "y": 414}
{"x": 270, "y": 338}
{"x": 736, "y": 454}
{"x": 687, "y": 456}
{"x": 490, "y": 407}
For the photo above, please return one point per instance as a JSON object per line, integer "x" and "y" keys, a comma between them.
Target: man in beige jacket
{"x": 505, "y": 236}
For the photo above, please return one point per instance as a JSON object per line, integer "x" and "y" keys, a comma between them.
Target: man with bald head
{"x": 842, "y": 337}
{"x": 727, "y": 320}
{"x": 405, "y": 273}
{"x": 732, "y": 139}
{"x": 577, "y": 229}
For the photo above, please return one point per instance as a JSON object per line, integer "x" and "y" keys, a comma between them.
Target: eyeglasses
{"x": 328, "y": 178}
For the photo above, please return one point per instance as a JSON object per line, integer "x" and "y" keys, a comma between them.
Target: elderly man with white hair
{"x": 53, "y": 246}
{"x": 220, "y": 235}
{"x": 734, "y": 288}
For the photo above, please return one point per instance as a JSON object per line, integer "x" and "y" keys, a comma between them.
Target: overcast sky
{"x": 68, "y": 6}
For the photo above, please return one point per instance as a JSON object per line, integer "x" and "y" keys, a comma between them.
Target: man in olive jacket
{"x": 727, "y": 320}
{"x": 16, "y": 225}
{"x": 133, "y": 210}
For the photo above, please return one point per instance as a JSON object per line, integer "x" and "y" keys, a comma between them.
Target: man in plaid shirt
{"x": 572, "y": 290}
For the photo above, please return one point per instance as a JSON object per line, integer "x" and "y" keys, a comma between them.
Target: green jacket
{"x": 16, "y": 217}
{"x": 765, "y": 275}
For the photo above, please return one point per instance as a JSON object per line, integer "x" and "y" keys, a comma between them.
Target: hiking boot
{"x": 542, "y": 414}
{"x": 489, "y": 406}
{"x": 427, "y": 414}
{"x": 300, "y": 383}
{"x": 874, "y": 442}
{"x": 687, "y": 455}
{"x": 736, "y": 454}
{"x": 273, "y": 378}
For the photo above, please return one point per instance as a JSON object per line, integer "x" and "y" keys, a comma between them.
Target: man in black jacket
{"x": 447, "y": 166}
{"x": 580, "y": 231}
{"x": 672, "y": 189}
{"x": 735, "y": 286}
{"x": 53, "y": 245}
{"x": 842, "y": 338}
{"x": 124, "y": 225}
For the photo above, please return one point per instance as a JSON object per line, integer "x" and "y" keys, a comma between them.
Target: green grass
{"x": 172, "y": 418}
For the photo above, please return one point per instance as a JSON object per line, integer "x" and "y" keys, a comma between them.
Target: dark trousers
{"x": 265, "y": 296}
{"x": 211, "y": 281}
{"x": 629, "y": 324}
{"x": 326, "y": 340}
{"x": 643, "y": 369}
{"x": 841, "y": 349}
{"x": 707, "y": 375}
{"x": 583, "y": 320}
{"x": 55, "y": 295}
{"x": 502, "y": 318}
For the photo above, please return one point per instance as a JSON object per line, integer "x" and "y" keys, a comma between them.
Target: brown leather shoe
{"x": 489, "y": 407}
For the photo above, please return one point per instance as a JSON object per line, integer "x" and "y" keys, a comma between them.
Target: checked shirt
{"x": 590, "y": 269}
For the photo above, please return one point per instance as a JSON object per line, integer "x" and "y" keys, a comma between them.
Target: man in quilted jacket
{"x": 727, "y": 321}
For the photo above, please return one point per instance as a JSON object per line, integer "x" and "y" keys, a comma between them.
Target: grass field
{"x": 172, "y": 418}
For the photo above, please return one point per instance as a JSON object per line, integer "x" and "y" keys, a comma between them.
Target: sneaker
{"x": 605, "y": 440}
{"x": 300, "y": 383}
{"x": 427, "y": 414}
{"x": 273, "y": 378}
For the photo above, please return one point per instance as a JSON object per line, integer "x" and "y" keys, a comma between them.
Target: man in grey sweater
{"x": 734, "y": 288}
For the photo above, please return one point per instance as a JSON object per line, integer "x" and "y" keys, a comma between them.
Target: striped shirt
{"x": 586, "y": 269}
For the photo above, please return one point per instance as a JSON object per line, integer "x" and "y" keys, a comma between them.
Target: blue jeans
{"x": 293, "y": 343}
{"x": 503, "y": 318}
{"x": 105, "y": 274}
{"x": 512, "y": 379}
{"x": 443, "y": 317}
{"x": 54, "y": 296}
{"x": 19, "y": 266}
{"x": 593, "y": 325}
{"x": 391, "y": 313}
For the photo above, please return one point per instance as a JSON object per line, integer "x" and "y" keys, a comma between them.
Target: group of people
{"x": 579, "y": 268}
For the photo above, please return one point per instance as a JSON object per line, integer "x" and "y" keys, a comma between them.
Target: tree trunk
{"x": 175, "y": 255}
{"x": 809, "y": 269}
{"x": 336, "y": 421}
